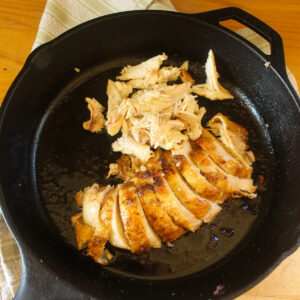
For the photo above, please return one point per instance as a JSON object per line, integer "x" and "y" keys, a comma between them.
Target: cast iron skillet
{"x": 46, "y": 157}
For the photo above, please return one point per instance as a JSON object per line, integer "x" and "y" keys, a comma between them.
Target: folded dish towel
{"x": 59, "y": 16}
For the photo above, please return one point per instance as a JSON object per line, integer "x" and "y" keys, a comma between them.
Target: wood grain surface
{"x": 19, "y": 20}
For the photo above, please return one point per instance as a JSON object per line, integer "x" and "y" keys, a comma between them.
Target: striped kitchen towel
{"x": 61, "y": 15}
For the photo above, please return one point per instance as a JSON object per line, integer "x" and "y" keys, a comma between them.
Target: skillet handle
{"x": 277, "y": 54}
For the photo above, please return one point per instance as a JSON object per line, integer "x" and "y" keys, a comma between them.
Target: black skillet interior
{"x": 46, "y": 157}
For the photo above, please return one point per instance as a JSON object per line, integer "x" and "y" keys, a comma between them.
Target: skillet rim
{"x": 9, "y": 220}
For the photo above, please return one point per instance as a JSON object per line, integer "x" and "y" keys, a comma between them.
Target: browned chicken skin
{"x": 197, "y": 206}
{"x": 135, "y": 231}
{"x": 193, "y": 202}
{"x": 214, "y": 174}
{"x": 179, "y": 214}
{"x": 234, "y": 138}
{"x": 197, "y": 181}
{"x": 156, "y": 215}
{"x": 214, "y": 148}
{"x": 102, "y": 231}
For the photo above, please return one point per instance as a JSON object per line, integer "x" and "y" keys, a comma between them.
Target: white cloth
{"x": 60, "y": 15}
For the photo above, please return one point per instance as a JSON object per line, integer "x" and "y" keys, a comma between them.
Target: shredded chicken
{"x": 158, "y": 114}
{"x": 149, "y": 111}
{"x": 167, "y": 74}
{"x": 128, "y": 145}
{"x": 116, "y": 91}
{"x": 97, "y": 120}
{"x": 212, "y": 89}
{"x": 141, "y": 70}
{"x": 185, "y": 76}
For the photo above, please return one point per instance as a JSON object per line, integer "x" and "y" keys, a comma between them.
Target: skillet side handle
{"x": 277, "y": 54}
{"x": 38, "y": 282}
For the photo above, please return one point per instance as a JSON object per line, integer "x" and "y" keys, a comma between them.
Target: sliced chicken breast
{"x": 153, "y": 208}
{"x": 92, "y": 199}
{"x": 215, "y": 149}
{"x": 224, "y": 181}
{"x": 154, "y": 239}
{"x": 138, "y": 232}
{"x": 117, "y": 236}
{"x": 197, "y": 181}
{"x": 83, "y": 232}
{"x": 199, "y": 206}
{"x": 174, "y": 208}
{"x": 101, "y": 235}
{"x": 234, "y": 137}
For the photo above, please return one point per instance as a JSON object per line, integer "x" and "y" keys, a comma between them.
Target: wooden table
{"x": 19, "y": 21}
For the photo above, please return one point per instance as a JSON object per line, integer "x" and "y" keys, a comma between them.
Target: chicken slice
{"x": 83, "y": 232}
{"x": 199, "y": 206}
{"x": 117, "y": 235}
{"x": 234, "y": 137}
{"x": 212, "y": 89}
{"x": 140, "y": 235}
{"x": 92, "y": 198}
{"x": 141, "y": 70}
{"x": 215, "y": 149}
{"x": 79, "y": 198}
{"x": 101, "y": 235}
{"x": 224, "y": 181}
{"x": 179, "y": 214}
{"x": 194, "y": 177}
{"x": 156, "y": 215}
{"x": 97, "y": 120}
